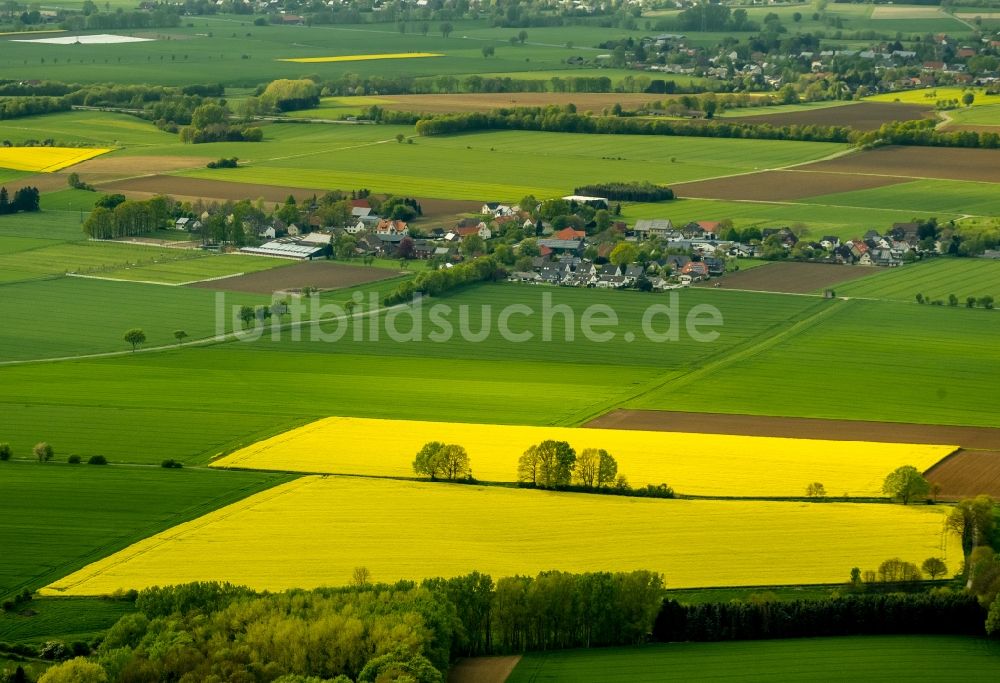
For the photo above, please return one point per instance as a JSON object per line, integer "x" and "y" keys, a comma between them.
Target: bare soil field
{"x": 780, "y": 186}
{"x": 860, "y": 116}
{"x": 446, "y": 209}
{"x": 320, "y": 274}
{"x": 883, "y": 12}
{"x": 443, "y": 104}
{"x": 947, "y": 163}
{"x": 483, "y": 669}
{"x": 799, "y": 428}
{"x": 789, "y": 277}
{"x": 179, "y": 187}
{"x": 967, "y": 473}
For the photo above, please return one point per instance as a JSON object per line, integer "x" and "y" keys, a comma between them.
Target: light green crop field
{"x": 933, "y": 196}
{"x": 911, "y": 360}
{"x": 49, "y": 225}
{"x": 196, "y": 403}
{"x": 94, "y": 258}
{"x": 72, "y": 316}
{"x": 986, "y": 115}
{"x": 203, "y": 267}
{"x": 935, "y": 279}
{"x": 65, "y": 619}
{"x": 87, "y": 128}
{"x": 860, "y": 658}
{"x": 506, "y": 165}
{"x": 56, "y": 517}
{"x": 231, "y": 50}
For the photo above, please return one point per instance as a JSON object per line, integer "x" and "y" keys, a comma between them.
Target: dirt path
{"x": 483, "y": 669}
{"x": 799, "y": 428}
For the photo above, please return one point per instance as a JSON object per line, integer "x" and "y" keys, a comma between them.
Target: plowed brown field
{"x": 860, "y": 116}
{"x": 780, "y": 186}
{"x": 321, "y": 274}
{"x": 790, "y": 277}
{"x": 967, "y": 473}
{"x": 948, "y": 163}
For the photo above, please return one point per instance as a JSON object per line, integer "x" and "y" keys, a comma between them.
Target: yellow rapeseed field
{"x": 314, "y": 531}
{"x": 45, "y": 159}
{"x": 695, "y": 464}
{"x": 361, "y": 58}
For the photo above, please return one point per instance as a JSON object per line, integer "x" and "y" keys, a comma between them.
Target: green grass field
{"x": 504, "y": 165}
{"x": 72, "y": 316}
{"x": 183, "y": 270}
{"x": 912, "y": 361}
{"x": 940, "y": 197}
{"x": 935, "y": 279}
{"x": 986, "y": 115}
{"x": 55, "y": 517}
{"x": 65, "y": 619}
{"x": 862, "y": 658}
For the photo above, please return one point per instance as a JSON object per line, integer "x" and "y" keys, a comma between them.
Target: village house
{"x": 497, "y": 209}
{"x": 647, "y": 228}
{"x": 392, "y": 227}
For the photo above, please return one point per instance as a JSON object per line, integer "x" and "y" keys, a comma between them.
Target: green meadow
{"x": 934, "y": 279}
{"x": 860, "y": 658}
{"x": 55, "y": 518}
{"x": 71, "y": 316}
{"x": 502, "y": 165}
{"x": 860, "y": 360}
{"x": 943, "y": 197}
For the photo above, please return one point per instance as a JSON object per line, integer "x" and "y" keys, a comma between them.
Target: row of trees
{"x": 935, "y": 612}
{"x": 436, "y": 282}
{"x": 42, "y": 451}
{"x": 636, "y": 191}
{"x": 127, "y": 218}
{"x": 16, "y": 107}
{"x": 559, "y": 119}
{"x": 366, "y": 632}
{"x": 986, "y": 301}
{"x": 25, "y": 199}
{"x": 924, "y": 133}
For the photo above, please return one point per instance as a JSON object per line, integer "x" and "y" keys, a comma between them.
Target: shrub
{"x": 43, "y": 451}
{"x": 97, "y": 460}
{"x": 73, "y": 460}
{"x": 5, "y": 451}
{"x": 170, "y": 463}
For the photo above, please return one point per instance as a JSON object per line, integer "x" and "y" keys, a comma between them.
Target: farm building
{"x": 596, "y": 202}
{"x": 289, "y": 249}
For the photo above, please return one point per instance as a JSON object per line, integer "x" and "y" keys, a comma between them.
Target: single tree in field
{"x": 180, "y": 335}
{"x": 896, "y": 570}
{"x": 934, "y": 567}
{"x": 361, "y": 577}
{"x": 968, "y": 98}
{"x": 248, "y": 314}
{"x": 905, "y": 483}
{"x": 5, "y": 451}
{"x": 135, "y": 337}
{"x": 446, "y": 29}
{"x": 43, "y": 451}
{"x": 527, "y": 467}
{"x": 607, "y": 469}
{"x": 454, "y": 462}
{"x": 400, "y": 137}
{"x": 585, "y": 472}
{"x": 522, "y": 36}
{"x": 428, "y": 460}
{"x": 555, "y": 464}
{"x": 816, "y": 490}
{"x": 488, "y": 51}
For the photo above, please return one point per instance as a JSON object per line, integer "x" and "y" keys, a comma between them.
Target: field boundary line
{"x": 767, "y": 339}
{"x": 205, "y": 341}
{"x": 154, "y": 541}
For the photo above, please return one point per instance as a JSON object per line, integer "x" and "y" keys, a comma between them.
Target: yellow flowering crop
{"x": 45, "y": 159}
{"x": 696, "y": 464}
{"x": 314, "y": 531}
{"x": 361, "y": 58}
